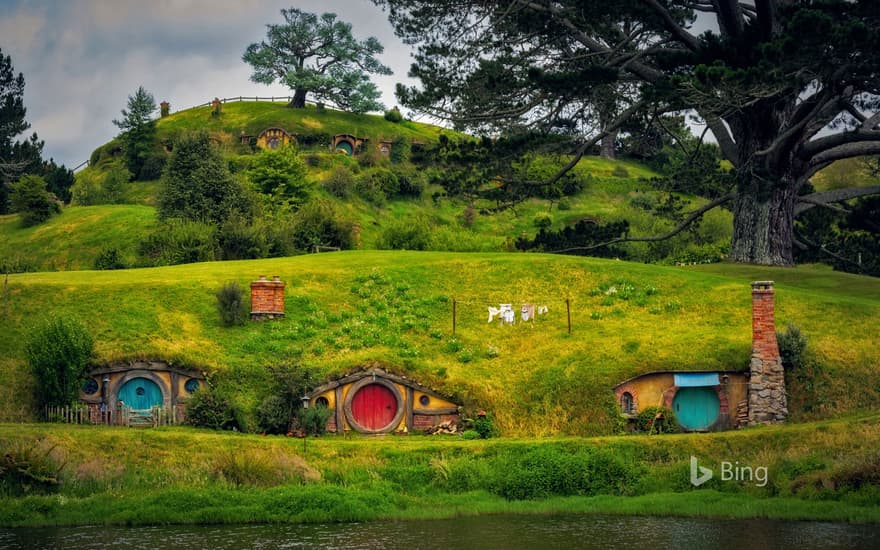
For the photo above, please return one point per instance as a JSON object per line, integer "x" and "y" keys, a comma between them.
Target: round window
{"x": 90, "y": 387}
{"x": 322, "y": 402}
{"x": 192, "y": 385}
{"x": 424, "y": 400}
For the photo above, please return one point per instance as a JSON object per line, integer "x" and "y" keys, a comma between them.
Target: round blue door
{"x": 696, "y": 408}
{"x": 140, "y": 394}
{"x": 345, "y": 147}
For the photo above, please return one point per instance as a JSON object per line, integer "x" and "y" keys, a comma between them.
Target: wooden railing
{"x": 114, "y": 416}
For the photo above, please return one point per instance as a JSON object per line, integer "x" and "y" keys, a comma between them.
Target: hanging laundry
{"x": 542, "y": 310}
{"x": 527, "y": 311}
{"x": 507, "y": 314}
{"x": 493, "y": 312}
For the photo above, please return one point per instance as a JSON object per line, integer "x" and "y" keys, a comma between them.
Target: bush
{"x": 485, "y": 426}
{"x": 58, "y": 352}
{"x": 620, "y": 172}
{"x": 153, "y": 166}
{"x": 319, "y": 224}
{"x": 792, "y": 346}
{"x": 27, "y": 467}
{"x": 32, "y": 201}
{"x": 393, "y": 115}
{"x": 274, "y": 415}
{"x": 410, "y": 183}
{"x": 405, "y": 234}
{"x": 115, "y": 185}
{"x": 209, "y": 409}
{"x": 313, "y": 421}
{"x": 280, "y": 173}
{"x": 179, "y": 242}
{"x": 232, "y": 304}
{"x": 376, "y": 185}
{"x": 109, "y": 258}
{"x": 87, "y": 190}
{"x": 656, "y": 420}
{"x": 240, "y": 240}
{"x": 340, "y": 183}
{"x": 542, "y": 220}
{"x": 401, "y": 149}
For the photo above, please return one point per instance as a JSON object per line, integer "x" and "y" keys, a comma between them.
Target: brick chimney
{"x": 267, "y": 298}
{"x": 767, "y": 399}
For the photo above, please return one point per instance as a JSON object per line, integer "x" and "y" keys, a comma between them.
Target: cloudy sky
{"x": 81, "y": 59}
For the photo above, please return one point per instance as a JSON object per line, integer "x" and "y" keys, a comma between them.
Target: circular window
{"x": 192, "y": 385}
{"x": 322, "y": 402}
{"x": 424, "y": 400}
{"x": 90, "y": 387}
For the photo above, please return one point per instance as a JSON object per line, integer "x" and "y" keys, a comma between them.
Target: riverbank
{"x": 826, "y": 470}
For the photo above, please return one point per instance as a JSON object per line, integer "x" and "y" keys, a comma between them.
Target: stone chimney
{"x": 267, "y": 298}
{"x": 767, "y": 399}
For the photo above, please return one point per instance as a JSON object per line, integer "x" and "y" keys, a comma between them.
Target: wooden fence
{"x": 121, "y": 416}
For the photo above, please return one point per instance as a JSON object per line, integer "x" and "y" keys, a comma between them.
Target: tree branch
{"x": 725, "y": 140}
{"x": 849, "y": 150}
{"x": 825, "y": 198}
{"x": 821, "y": 145}
{"x": 692, "y": 217}
{"x": 686, "y": 38}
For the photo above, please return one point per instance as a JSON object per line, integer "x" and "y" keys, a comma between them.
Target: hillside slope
{"x": 349, "y": 309}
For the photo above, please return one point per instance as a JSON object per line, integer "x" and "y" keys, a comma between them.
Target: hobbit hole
{"x": 373, "y": 401}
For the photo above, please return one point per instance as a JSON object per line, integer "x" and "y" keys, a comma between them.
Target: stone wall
{"x": 767, "y": 399}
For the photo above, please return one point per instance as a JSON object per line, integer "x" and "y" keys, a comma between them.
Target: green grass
{"x": 254, "y": 117}
{"x": 180, "y": 475}
{"x": 72, "y": 239}
{"x": 352, "y": 308}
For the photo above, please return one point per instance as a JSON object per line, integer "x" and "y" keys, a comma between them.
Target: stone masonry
{"x": 767, "y": 399}
{"x": 267, "y": 298}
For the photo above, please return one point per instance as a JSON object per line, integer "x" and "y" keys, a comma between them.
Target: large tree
{"x": 786, "y": 86}
{"x": 138, "y": 129}
{"x": 16, "y": 157}
{"x": 319, "y": 56}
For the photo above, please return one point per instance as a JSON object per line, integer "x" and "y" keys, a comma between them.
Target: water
{"x": 484, "y": 532}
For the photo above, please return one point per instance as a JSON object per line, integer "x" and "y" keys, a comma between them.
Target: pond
{"x": 497, "y": 531}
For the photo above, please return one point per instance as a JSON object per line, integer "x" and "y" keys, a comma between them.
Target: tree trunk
{"x": 606, "y": 147}
{"x": 763, "y": 227}
{"x": 299, "y": 99}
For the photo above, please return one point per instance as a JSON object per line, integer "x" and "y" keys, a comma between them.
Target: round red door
{"x": 374, "y": 407}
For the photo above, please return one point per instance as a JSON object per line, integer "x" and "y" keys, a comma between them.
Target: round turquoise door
{"x": 345, "y": 147}
{"x": 140, "y": 394}
{"x": 696, "y": 408}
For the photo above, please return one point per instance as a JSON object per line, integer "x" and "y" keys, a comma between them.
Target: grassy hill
{"x": 348, "y": 309}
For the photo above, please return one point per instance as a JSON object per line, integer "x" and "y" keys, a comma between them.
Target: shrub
{"x": 115, "y": 184}
{"x": 405, "y": 234}
{"x": 280, "y": 173}
{"x": 32, "y": 201}
{"x": 313, "y": 421}
{"x": 153, "y": 166}
{"x": 58, "y": 351}
{"x": 319, "y": 224}
{"x": 485, "y": 426}
{"x": 340, "y": 183}
{"x": 240, "y": 240}
{"x": 274, "y": 415}
{"x": 209, "y": 409}
{"x": 87, "y": 190}
{"x": 179, "y": 242}
{"x": 393, "y": 115}
{"x": 400, "y": 150}
{"x": 410, "y": 183}
{"x": 792, "y": 346}
{"x": 470, "y": 435}
{"x": 109, "y": 258}
{"x": 542, "y": 220}
{"x": 232, "y": 304}
{"x": 28, "y": 467}
{"x": 656, "y": 420}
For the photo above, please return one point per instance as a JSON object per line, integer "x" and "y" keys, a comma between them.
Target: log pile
{"x": 444, "y": 428}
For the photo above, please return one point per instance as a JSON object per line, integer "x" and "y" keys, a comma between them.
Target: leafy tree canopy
{"x": 32, "y": 201}
{"x": 197, "y": 184}
{"x": 786, "y": 86}
{"x": 138, "y": 129}
{"x": 16, "y": 157}
{"x": 319, "y": 56}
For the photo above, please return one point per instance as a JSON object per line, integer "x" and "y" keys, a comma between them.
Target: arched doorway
{"x": 374, "y": 406}
{"x": 346, "y": 147}
{"x": 140, "y": 394}
{"x": 696, "y": 408}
